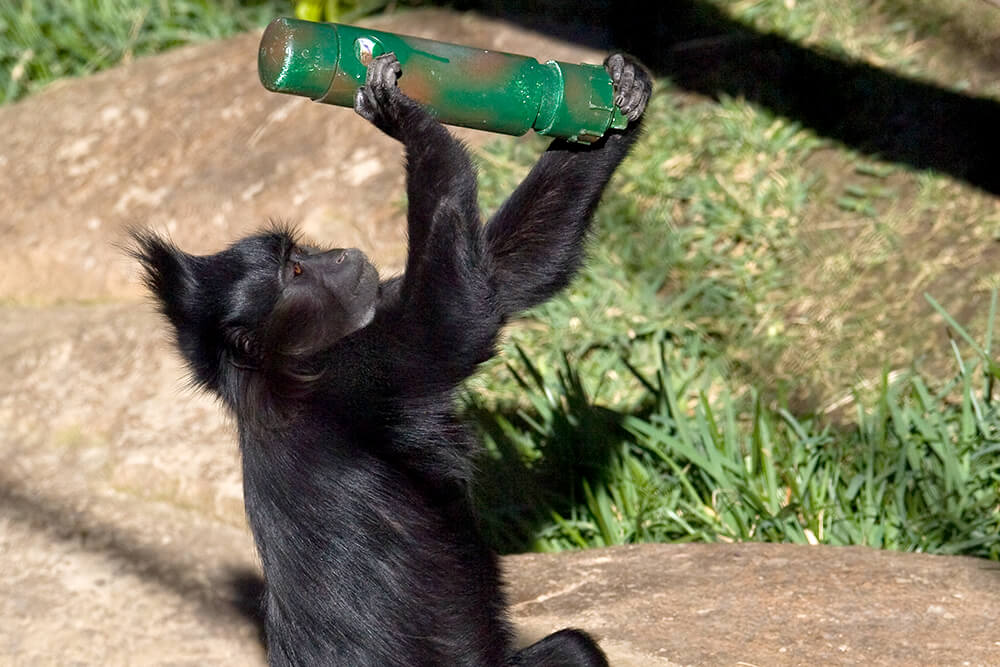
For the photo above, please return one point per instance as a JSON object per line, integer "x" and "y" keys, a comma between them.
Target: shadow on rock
{"x": 233, "y": 592}
{"x": 246, "y": 593}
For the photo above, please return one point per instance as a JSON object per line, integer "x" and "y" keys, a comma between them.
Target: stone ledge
{"x": 767, "y": 604}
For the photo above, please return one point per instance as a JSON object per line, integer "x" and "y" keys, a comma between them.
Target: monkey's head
{"x": 267, "y": 306}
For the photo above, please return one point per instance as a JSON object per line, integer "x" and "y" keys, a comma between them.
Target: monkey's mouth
{"x": 366, "y": 280}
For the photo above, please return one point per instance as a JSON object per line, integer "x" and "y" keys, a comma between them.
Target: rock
{"x": 765, "y": 604}
{"x": 94, "y": 576}
{"x": 96, "y": 393}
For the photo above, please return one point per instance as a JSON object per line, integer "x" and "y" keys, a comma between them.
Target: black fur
{"x": 356, "y": 471}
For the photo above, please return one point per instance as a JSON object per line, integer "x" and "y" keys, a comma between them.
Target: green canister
{"x": 460, "y": 85}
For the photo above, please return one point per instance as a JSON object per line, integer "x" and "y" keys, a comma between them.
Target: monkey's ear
{"x": 169, "y": 273}
{"x": 176, "y": 279}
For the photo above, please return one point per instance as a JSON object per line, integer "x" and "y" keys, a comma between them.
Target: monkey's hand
{"x": 380, "y": 101}
{"x": 633, "y": 84}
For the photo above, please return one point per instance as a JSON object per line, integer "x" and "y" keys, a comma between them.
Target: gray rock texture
{"x": 122, "y": 539}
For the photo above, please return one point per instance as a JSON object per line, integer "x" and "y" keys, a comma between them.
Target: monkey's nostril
{"x": 342, "y": 257}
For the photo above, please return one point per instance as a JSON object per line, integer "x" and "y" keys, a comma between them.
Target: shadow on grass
{"x": 541, "y": 458}
{"x": 703, "y": 50}
{"x": 517, "y": 494}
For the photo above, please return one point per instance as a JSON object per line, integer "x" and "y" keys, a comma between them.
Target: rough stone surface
{"x": 766, "y": 604}
{"x": 122, "y": 539}
{"x": 94, "y": 576}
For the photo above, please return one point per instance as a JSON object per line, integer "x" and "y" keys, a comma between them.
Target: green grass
{"x": 749, "y": 353}
{"x": 691, "y": 239}
{"x": 917, "y": 471}
{"x": 43, "y": 40}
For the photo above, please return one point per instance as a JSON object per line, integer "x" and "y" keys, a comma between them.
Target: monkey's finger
{"x": 364, "y": 105}
{"x": 635, "y": 110}
{"x": 637, "y": 96}
{"x": 388, "y": 75}
{"x": 624, "y": 86}
{"x": 647, "y": 93}
{"x": 613, "y": 65}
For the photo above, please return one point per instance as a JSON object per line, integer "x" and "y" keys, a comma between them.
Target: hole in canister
{"x": 367, "y": 49}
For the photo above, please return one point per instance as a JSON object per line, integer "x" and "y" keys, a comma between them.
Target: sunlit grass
{"x": 43, "y": 40}
{"x": 919, "y": 470}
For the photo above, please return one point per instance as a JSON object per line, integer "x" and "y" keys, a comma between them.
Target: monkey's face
{"x": 266, "y": 303}
{"x": 335, "y": 291}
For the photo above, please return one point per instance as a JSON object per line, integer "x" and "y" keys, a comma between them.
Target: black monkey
{"x": 356, "y": 470}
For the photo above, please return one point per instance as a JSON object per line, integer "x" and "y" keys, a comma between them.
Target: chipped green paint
{"x": 460, "y": 85}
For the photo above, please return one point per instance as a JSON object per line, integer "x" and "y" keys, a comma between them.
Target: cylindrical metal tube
{"x": 460, "y": 85}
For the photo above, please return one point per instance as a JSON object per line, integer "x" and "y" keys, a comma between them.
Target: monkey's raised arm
{"x": 440, "y": 178}
{"x": 445, "y": 300}
{"x": 462, "y": 281}
{"x": 535, "y": 240}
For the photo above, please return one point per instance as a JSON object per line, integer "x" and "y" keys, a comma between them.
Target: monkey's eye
{"x": 244, "y": 343}
{"x": 296, "y": 269}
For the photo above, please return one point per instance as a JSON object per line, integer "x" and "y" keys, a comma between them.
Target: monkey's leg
{"x": 566, "y": 648}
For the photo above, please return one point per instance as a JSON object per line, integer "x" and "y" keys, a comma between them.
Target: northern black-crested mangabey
{"x": 356, "y": 470}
